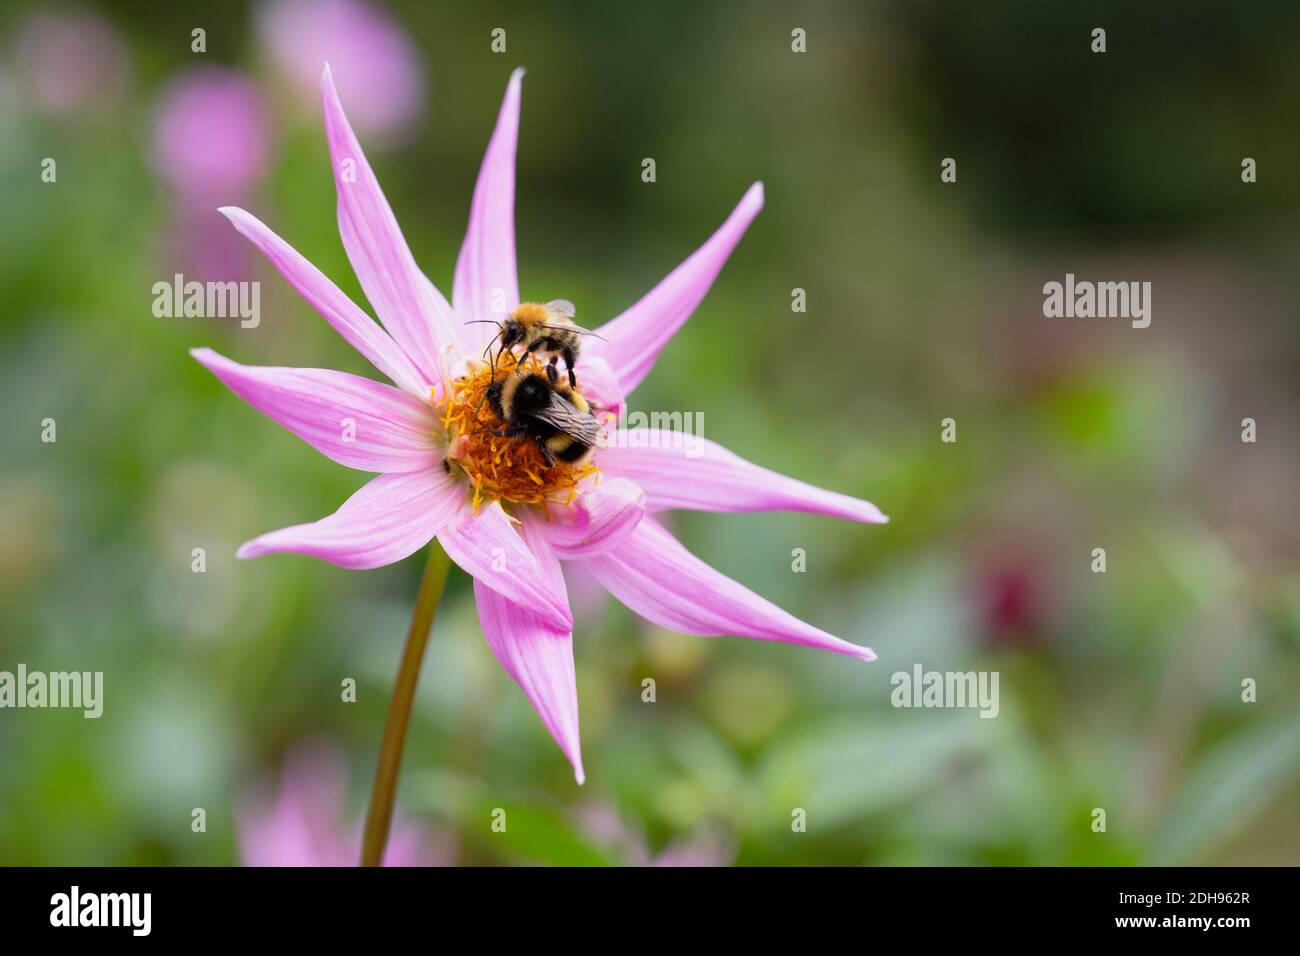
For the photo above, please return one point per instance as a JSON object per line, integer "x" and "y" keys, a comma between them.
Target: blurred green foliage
{"x": 1119, "y": 690}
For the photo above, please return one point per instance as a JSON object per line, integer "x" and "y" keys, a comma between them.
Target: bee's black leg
{"x": 569, "y": 359}
{"x": 546, "y": 454}
{"x": 551, "y": 375}
{"x": 512, "y": 432}
{"x": 527, "y": 352}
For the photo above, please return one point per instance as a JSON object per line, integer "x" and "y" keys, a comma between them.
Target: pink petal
{"x": 600, "y": 385}
{"x": 485, "y": 268}
{"x": 656, "y": 577}
{"x": 636, "y": 337}
{"x": 679, "y": 470}
{"x": 600, "y": 518}
{"x": 356, "y": 422}
{"x": 412, "y": 310}
{"x": 537, "y": 657}
{"x": 389, "y": 518}
{"x": 488, "y": 549}
{"x": 357, "y": 328}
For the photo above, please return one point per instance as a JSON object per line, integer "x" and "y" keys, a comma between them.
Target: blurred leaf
{"x": 535, "y": 833}
{"x": 1226, "y": 789}
{"x": 845, "y": 772}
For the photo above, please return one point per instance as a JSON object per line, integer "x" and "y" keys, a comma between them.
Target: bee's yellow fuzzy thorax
{"x": 499, "y": 467}
{"x": 529, "y": 313}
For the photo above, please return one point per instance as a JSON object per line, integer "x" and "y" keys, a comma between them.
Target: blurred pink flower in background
{"x": 705, "y": 847}
{"x": 302, "y": 824}
{"x": 195, "y": 245}
{"x": 70, "y": 61}
{"x": 1010, "y": 602}
{"x": 1012, "y": 592}
{"x": 358, "y": 40}
{"x": 210, "y": 135}
{"x": 210, "y": 138}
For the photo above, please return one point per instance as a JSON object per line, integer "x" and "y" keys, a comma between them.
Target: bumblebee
{"x": 552, "y": 414}
{"x": 547, "y": 331}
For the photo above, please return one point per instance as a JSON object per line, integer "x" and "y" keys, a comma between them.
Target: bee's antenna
{"x": 480, "y": 322}
{"x": 487, "y": 350}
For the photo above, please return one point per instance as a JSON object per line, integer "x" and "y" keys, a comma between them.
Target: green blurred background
{"x": 1119, "y": 690}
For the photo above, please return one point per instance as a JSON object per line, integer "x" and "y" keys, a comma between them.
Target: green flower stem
{"x": 380, "y": 815}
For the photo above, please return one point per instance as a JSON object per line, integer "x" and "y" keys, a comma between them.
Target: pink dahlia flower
{"x": 498, "y": 510}
{"x": 301, "y": 823}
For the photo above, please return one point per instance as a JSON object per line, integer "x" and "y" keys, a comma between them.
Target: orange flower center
{"x": 497, "y": 466}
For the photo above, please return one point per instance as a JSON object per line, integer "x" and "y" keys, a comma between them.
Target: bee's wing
{"x": 573, "y": 327}
{"x": 561, "y": 307}
{"x": 579, "y": 425}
